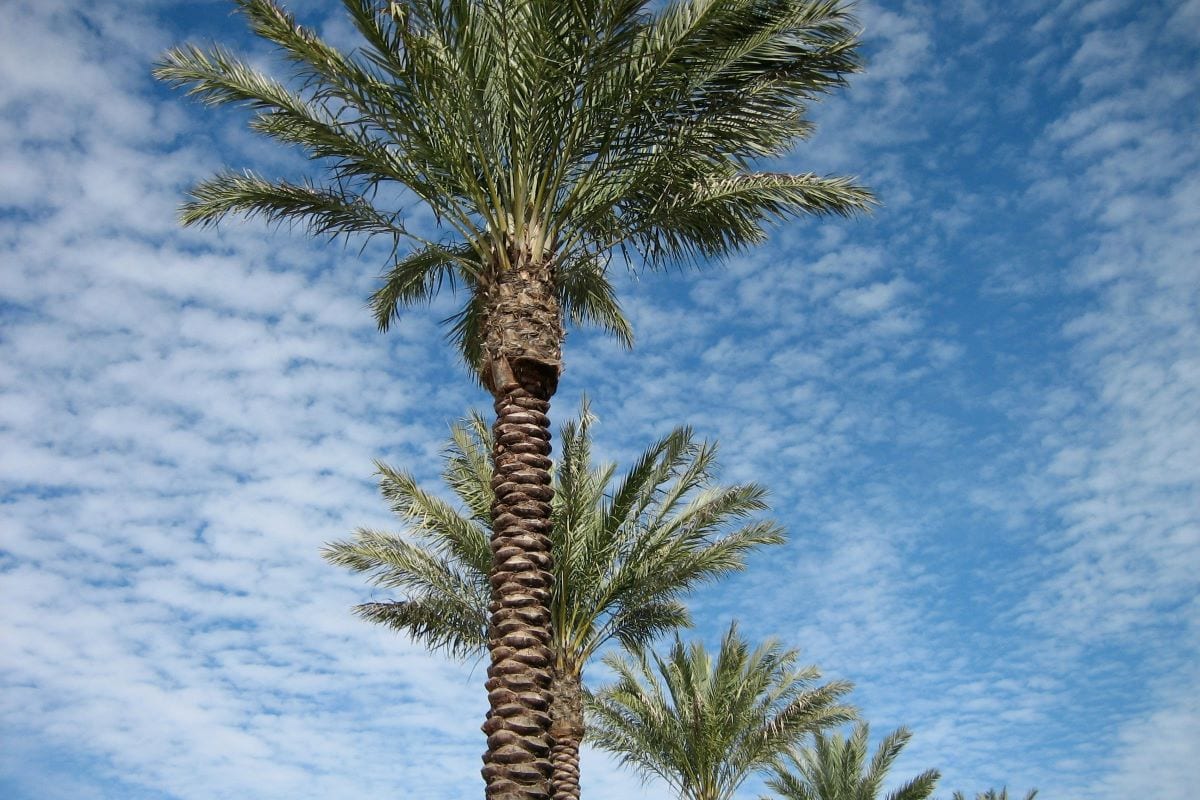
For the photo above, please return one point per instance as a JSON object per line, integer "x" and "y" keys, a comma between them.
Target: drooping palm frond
{"x": 626, "y": 552}
{"x": 442, "y": 570}
{"x": 445, "y": 605}
{"x": 836, "y": 768}
{"x": 704, "y": 725}
{"x": 325, "y": 212}
{"x": 560, "y": 129}
{"x": 417, "y": 278}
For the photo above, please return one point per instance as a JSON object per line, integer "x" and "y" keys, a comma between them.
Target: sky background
{"x": 976, "y": 411}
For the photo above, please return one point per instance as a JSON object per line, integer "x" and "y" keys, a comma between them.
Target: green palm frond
{"x": 350, "y": 146}
{"x": 757, "y": 195}
{"x": 633, "y": 625}
{"x": 587, "y": 297}
{"x": 654, "y": 468}
{"x": 469, "y": 467}
{"x": 704, "y": 725}
{"x": 720, "y": 84}
{"x": 920, "y": 787}
{"x": 579, "y": 485}
{"x": 325, "y": 212}
{"x": 417, "y": 277}
{"x": 447, "y": 604}
{"x": 836, "y": 768}
{"x": 435, "y": 522}
{"x": 440, "y": 623}
{"x": 466, "y": 328}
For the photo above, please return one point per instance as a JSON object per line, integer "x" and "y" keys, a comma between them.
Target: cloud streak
{"x": 975, "y": 411}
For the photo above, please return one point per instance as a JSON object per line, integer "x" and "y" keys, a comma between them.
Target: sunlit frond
{"x": 705, "y": 724}
{"x": 835, "y": 767}
{"x": 445, "y": 605}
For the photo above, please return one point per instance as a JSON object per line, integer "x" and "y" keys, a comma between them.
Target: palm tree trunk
{"x": 566, "y": 728}
{"x": 523, "y": 336}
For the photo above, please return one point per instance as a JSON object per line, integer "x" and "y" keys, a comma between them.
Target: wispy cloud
{"x": 974, "y": 410}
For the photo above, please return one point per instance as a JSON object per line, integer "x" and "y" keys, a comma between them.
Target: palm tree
{"x": 624, "y": 553}
{"x": 704, "y": 727}
{"x": 992, "y": 794}
{"x": 542, "y": 134}
{"x": 833, "y": 769}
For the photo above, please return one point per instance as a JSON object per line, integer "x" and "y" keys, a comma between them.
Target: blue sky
{"x": 976, "y": 411}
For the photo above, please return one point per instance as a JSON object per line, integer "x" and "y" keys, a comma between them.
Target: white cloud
{"x": 1157, "y": 752}
{"x": 986, "y": 464}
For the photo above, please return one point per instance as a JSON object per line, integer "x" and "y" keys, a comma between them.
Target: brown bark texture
{"x": 566, "y": 730}
{"x": 522, "y": 344}
{"x": 522, "y": 330}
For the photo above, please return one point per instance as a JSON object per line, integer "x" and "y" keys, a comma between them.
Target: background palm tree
{"x": 992, "y": 794}
{"x": 836, "y": 768}
{"x": 705, "y": 726}
{"x": 624, "y": 552}
{"x": 542, "y": 134}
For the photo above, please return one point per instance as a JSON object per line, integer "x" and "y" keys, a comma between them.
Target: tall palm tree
{"x": 542, "y": 134}
{"x": 992, "y": 794}
{"x": 836, "y": 768}
{"x": 624, "y": 552}
{"x": 705, "y": 726}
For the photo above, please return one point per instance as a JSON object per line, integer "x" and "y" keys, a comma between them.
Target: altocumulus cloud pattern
{"x": 976, "y": 411}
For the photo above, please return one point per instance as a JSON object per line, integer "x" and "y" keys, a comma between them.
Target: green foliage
{"x": 542, "y": 128}
{"x": 836, "y": 768}
{"x": 992, "y": 794}
{"x": 625, "y": 550}
{"x": 705, "y": 725}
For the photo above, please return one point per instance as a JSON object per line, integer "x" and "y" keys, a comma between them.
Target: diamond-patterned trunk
{"x": 566, "y": 729}
{"x": 522, "y": 344}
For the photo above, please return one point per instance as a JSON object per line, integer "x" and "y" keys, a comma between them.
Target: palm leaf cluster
{"x": 836, "y": 768}
{"x": 661, "y": 530}
{"x": 625, "y": 550}
{"x": 704, "y": 725}
{"x": 546, "y": 130}
{"x": 994, "y": 794}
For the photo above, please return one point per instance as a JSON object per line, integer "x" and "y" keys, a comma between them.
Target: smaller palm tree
{"x": 704, "y": 726}
{"x": 992, "y": 794}
{"x": 626, "y": 550}
{"x": 835, "y": 768}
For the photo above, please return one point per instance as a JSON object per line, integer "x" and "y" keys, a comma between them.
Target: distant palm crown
{"x": 836, "y": 768}
{"x": 543, "y": 132}
{"x": 625, "y": 551}
{"x": 704, "y": 724}
{"x": 994, "y": 794}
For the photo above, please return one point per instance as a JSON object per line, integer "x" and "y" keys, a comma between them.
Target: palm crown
{"x": 539, "y": 131}
{"x": 625, "y": 550}
{"x": 836, "y": 768}
{"x": 704, "y": 724}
